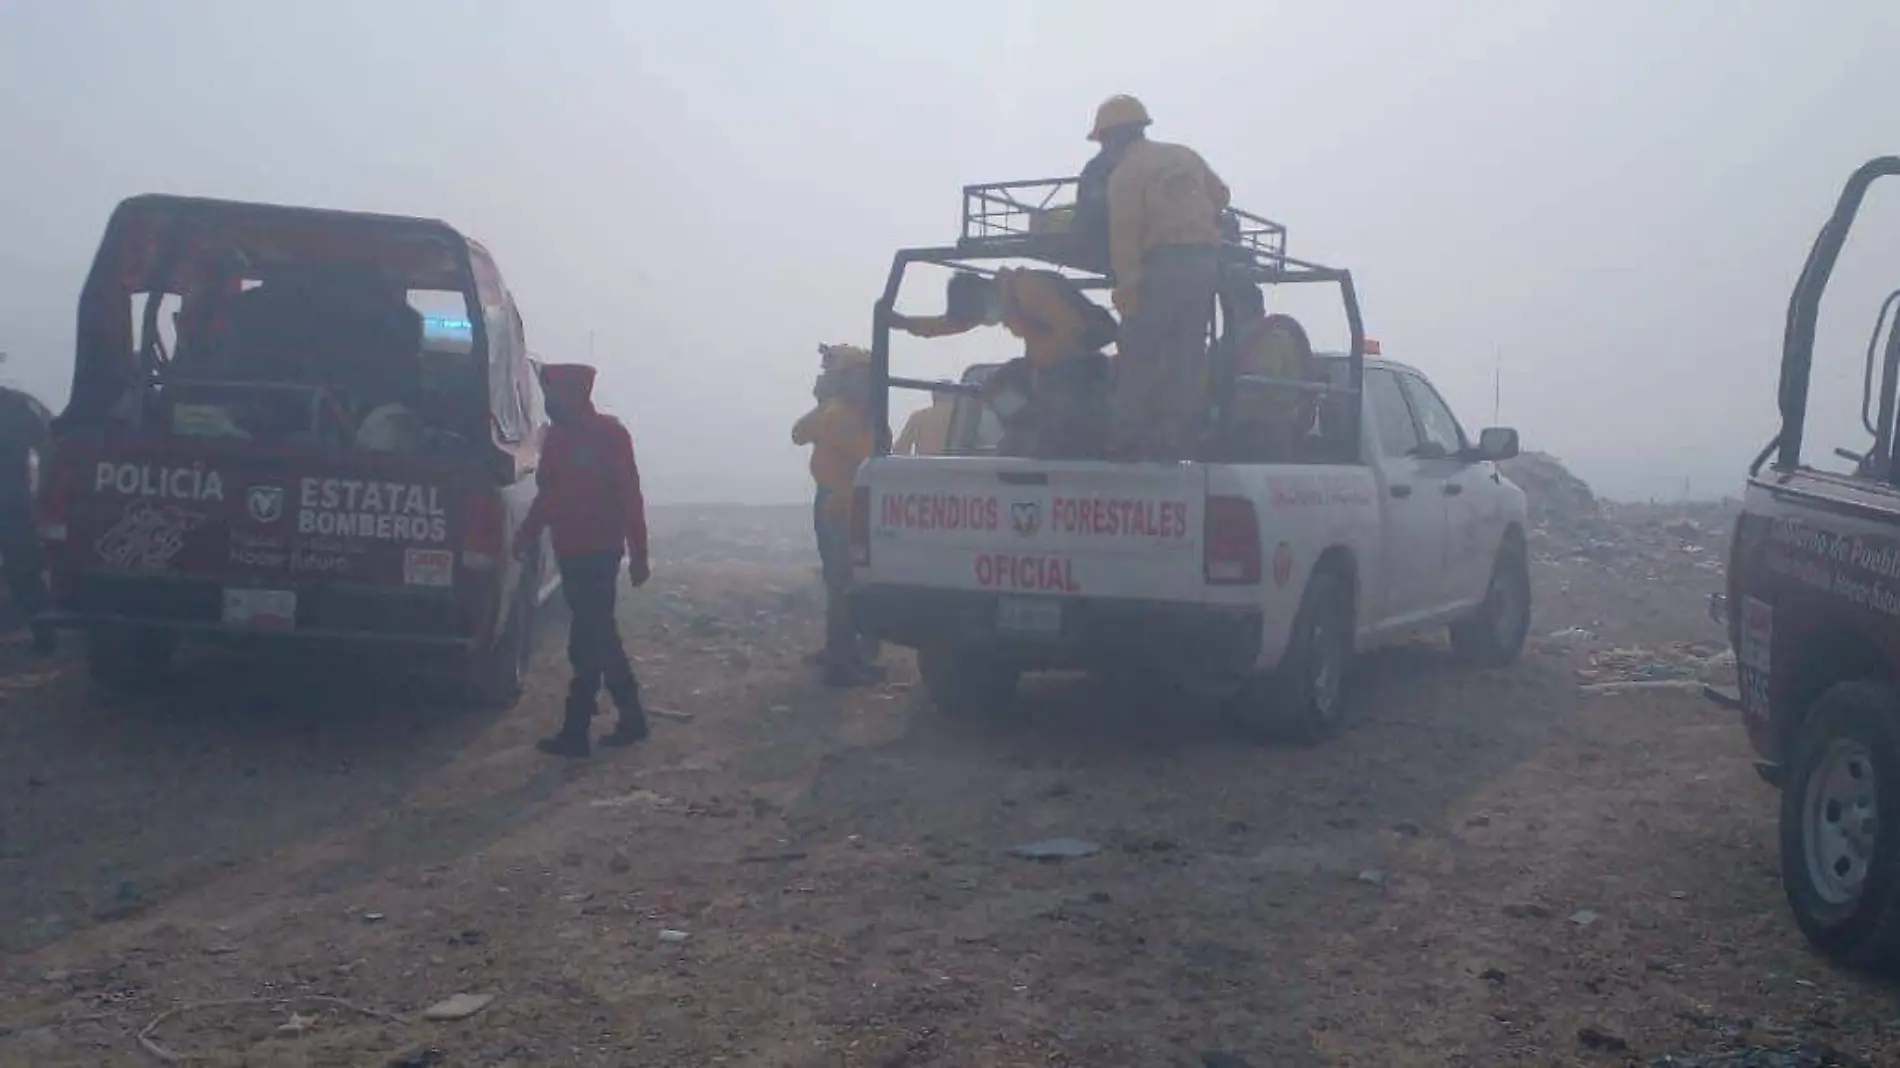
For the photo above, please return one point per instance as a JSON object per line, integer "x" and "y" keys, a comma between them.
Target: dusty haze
{"x": 1614, "y": 196}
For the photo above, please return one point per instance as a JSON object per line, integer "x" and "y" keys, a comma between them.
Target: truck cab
{"x": 295, "y": 426}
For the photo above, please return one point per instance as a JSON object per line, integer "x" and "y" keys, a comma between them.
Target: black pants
{"x": 590, "y": 583}
{"x": 20, "y": 558}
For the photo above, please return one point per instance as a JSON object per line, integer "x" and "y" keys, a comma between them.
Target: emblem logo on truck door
{"x": 1026, "y": 517}
{"x": 266, "y": 503}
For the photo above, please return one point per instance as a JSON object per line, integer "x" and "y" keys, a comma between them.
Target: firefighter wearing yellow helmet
{"x": 1164, "y": 206}
{"x": 838, "y": 430}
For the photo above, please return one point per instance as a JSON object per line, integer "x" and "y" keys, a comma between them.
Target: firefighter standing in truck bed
{"x": 1164, "y": 241}
{"x": 589, "y": 500}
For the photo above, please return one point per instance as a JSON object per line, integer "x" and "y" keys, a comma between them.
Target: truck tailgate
{"x": 287, "y": 541}
{"x": 1050, "y": 528}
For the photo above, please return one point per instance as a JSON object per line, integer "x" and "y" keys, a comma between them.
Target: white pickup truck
{"x": 1253, "y": 581}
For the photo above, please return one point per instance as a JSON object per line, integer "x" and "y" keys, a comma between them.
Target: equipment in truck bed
{"x": 1028, "y": 220}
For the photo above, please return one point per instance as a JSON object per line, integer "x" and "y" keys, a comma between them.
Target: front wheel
{"x": 1494, "y": 637}
{"x": 1840, "y": 859}
{"x": 967, "y": 681}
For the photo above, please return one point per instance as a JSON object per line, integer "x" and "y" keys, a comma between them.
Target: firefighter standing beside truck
{"x": 1164, "y": 245}
{"x": 589, "y": 500}
{"x": 838, "y": 430}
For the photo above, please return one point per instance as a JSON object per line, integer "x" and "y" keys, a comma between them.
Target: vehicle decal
{"x": 384, "y": 511}
{"x": 1861, "y": 571}
{"x": 938, "y": 511}
{"x": 1123, "y": 517}
{"x": 1010, "y": 571}
{"x": 193, "y": 483}
{"x": 1282, "y": 564}
{"x": 147, "y": 536}
{"x": 428, "y": 567}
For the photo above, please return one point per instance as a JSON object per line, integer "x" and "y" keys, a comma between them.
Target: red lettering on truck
{"x": 1118, "y": 517}
{"x": 1009, "y": 571}
{"x": 938, "y": 511}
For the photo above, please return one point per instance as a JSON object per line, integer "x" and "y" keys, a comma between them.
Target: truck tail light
{"x": 1231, "y": 553}
{"x": 484, "y": 532}
{"x": 53, "y": 490}
{"x": 861, "y": 526}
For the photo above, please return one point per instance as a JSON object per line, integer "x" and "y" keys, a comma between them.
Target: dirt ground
{"x": 1488, "y": 869}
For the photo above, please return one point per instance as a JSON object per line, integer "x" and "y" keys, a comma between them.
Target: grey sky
{"x": 1615, "y": 194}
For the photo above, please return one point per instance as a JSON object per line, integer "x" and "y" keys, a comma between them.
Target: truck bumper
{"x": 194, "y": 608}
{"x": 1190, "y": 640}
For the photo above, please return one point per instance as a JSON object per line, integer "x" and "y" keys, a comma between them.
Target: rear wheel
{"x": 1840, "y": 855}
{"x": 1495, "y": 636}
{"x": 500, "y": 676}
{"x": 967, "y": 681}
{"x": 1304, "y": 698}
{"x": 129, "y": 660}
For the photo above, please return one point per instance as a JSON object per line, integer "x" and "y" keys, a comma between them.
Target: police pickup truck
{"x": 1255, "y": 582}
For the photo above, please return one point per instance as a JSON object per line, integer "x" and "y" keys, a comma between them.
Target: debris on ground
{"x": 1057, "y": 849}
{"x": 1802, "y": 1056}
{"x": 458, "y": 1007}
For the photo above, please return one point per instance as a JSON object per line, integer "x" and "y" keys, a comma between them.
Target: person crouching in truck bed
{"x": 1164, "y": 242}
{"x": 839, "y": 433}
{"x": 1053, "y": 401}
{"x": 589, "y": 500}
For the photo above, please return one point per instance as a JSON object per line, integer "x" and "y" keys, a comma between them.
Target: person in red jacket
{"x": 589, "y": 499}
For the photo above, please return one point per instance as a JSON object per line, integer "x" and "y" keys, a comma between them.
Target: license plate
{"x": 1030, "y": 616}
{"x": 260, "y": 609}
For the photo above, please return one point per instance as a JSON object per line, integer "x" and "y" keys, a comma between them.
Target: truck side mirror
{"x": 1497, "y": 443}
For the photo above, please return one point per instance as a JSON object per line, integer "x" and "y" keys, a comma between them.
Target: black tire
{"x": 129, "y": 660}
{"x": 500, "y": 676}
{"x": 1495, "y": 636}
{"x": 967, "y": 682}
{"x": 1840, "y": 861}
{"x": 1304, "y": 699}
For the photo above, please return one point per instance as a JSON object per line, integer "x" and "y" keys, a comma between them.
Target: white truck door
{"x": 1412, "y": 543}
{"x": 1463, "y": 483}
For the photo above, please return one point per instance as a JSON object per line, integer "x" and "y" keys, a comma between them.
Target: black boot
{"x": 572, "y": 741}
{"x": 632, "y": 725}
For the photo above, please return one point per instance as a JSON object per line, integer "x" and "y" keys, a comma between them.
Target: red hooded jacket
{"x": 588, "y": 483}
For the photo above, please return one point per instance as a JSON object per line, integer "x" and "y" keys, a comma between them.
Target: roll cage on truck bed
{"x": 1813, "y": 613}
{"x": 1010, "y": 221}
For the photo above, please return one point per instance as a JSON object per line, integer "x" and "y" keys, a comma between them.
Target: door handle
{"x": 1453, "y": 489}
{"x": 1401, "y": 490}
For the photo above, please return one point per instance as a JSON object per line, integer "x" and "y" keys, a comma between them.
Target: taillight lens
{"x": 861, "y": 526}
{"x": 484, "y": 532}
{"x": 53, "y": 493}
{"x": 1231, "y": 555}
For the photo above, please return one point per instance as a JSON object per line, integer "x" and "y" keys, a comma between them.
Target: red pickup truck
{"x": 295, "y": 426}
{"x": 1813, "y": 613}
